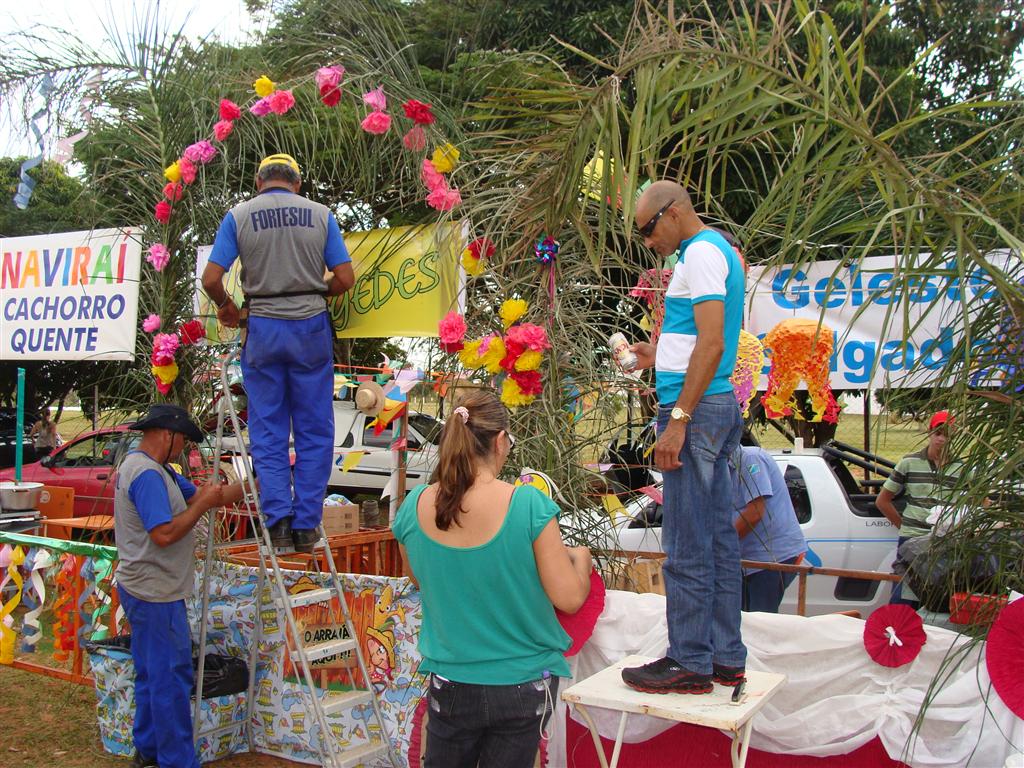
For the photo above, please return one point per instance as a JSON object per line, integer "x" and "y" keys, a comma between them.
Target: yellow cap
{"x": 281, "y": 159}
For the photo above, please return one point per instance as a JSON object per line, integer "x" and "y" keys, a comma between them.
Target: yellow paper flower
{"x": 264, "y": 86}
{"x": 511, "y": 310}
{"x": 469, "y": 355}
{"x": 473, "y": 267}
{"x": 166, "y": 373}
{"x": 494, "y": 354}
{"x": 529, "y": 360}
{"x": 512, "y": 396}
{"x": 173, "y": 172}
{"x": 444, "y": 158}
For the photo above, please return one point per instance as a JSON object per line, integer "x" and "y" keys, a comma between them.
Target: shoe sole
{"x": 730, "y": 682}
{"x": 696, "y": 688}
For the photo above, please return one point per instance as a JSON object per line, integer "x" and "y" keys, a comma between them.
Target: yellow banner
{"x": 407, "y": 279}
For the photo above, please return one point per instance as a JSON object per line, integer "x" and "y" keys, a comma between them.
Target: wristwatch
{"x": 678, "y": 414}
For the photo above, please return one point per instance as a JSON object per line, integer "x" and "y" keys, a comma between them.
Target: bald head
{"x": 660, "y": 194}
{"x": 665, "y": 216}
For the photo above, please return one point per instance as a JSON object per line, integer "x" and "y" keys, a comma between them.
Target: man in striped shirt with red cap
{"x": 288, "y": 245}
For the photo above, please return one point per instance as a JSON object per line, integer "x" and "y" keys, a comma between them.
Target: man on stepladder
{"x": 699, "y": 426}
{"x": 287, "y": 244}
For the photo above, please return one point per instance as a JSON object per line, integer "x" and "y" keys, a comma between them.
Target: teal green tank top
{"x": 486, "y": 618}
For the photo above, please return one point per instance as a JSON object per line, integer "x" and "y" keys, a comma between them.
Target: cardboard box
{"x": 640, "y": 576}
{"x": 343, "y": 519}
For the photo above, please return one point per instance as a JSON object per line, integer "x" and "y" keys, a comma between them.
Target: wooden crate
{"x": 639, "y": 576}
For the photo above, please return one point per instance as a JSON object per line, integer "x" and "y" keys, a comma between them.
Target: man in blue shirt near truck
{"x": 287, "y": 243}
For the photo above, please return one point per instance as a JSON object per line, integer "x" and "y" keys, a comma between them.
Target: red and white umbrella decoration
{"x": 894, "y": 635}
{"x": 1003, "y": 653}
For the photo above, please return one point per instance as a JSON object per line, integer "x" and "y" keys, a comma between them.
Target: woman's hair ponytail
{"x": 466, "y": 440}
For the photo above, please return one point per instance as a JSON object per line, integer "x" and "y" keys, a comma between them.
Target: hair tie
{"x": 463, "y": 412}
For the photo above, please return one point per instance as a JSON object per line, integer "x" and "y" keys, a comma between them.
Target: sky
{"x": 89, "y": 19}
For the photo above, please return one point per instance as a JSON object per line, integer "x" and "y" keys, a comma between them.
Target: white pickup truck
{"x": 842, "y": 526}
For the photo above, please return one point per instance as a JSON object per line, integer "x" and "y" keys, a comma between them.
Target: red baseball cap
{"x": 940, "y": 418}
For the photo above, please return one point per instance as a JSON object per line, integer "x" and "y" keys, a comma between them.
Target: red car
{"x": 87, "y": 464}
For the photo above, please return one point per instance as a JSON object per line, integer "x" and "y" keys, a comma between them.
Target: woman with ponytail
{"x": 491, "y": 566}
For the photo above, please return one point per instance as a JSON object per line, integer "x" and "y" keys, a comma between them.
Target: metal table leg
{"x": 597, "y": 737}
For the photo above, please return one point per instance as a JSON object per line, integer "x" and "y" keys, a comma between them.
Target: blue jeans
{"x": 288, "y": 369}
{"x": 162, "y": 655}
{"x": 763, "y": 590}
{"x": 493, "y": 726}
{"x": 703, "y": 581}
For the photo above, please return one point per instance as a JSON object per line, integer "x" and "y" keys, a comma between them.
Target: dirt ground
{"x": 46, "y": 723}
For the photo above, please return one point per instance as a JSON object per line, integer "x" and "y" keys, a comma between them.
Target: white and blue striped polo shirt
{"x": 708, "y": 269}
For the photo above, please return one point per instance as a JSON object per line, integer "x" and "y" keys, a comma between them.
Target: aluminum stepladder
{"x": 320, "y": 705}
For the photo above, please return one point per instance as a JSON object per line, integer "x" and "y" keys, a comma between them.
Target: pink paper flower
{"x": 418, "y": 112}
{"x": 158, "y": 256}
{"x": 261, "y": 107}
{"x": 164, "y": 347}
{"x": 188, "y": 170}
{"x": 191, "y": 332}
{"x": 329, "y": 77}
{"x": 280, "y": 102}
{"x": 443, "y": 199}
{"x": 162, "y": 211}
{"x": 528, "y": 336}
{"x": 229, "y": 110}
{"x": 376, "y": 123}
{"x": 173, "y": 191}
{"x": 152, "y": 323}
{"x": 431, "y": 178}
{"x": 200, "y": 153}
{"x": 452, "y": 330}
{"x": 376, "y": 99}
{"x": 415, "y": 140}
{"x": 223, "y": 129}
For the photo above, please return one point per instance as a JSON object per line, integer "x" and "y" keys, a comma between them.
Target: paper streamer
{"x": 63, "y": 624}
{"x": 36, "y": 561}
{"x": 14, "y": 558}
{"x": 747, "y": 373}
{"x": 27, "y": 185}
{"x": 64, "y": 149}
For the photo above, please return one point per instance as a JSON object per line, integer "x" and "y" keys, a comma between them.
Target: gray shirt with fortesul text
{"x": 148, "y": 571}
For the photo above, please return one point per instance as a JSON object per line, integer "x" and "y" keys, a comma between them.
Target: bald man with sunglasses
{"x": 287, "y": 245}
{"x": 699, "y": 426}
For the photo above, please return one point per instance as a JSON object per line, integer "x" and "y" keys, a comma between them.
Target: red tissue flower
{"x": 330, "y": 95}
{"x": 173, "y": 191}
{"x": 191, "y": 332}
{"x": 162, "y": 211}
{"x": 229, "y": 110}
{"x": 418, "y": 112}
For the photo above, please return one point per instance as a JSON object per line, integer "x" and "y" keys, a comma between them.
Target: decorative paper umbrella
{"x": 894, "y": 635}
{"x": 800, "y": 350}
{"x": 1003, "y": 654}
{"x": 580, "y": 625}
{"x": 747, "y": 373}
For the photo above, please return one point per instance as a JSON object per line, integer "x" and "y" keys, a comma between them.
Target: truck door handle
{"x": 104, "y": 476}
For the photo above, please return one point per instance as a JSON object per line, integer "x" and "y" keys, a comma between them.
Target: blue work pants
{"x": 162, "y": 654}
{"x": 288, "y": 369}
{"x": 703, "y": 581}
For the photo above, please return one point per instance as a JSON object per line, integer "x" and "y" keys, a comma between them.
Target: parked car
{"x": 9, "y": 437}
{"x": 88, "y": 464}
{"x": 843, "y": 528}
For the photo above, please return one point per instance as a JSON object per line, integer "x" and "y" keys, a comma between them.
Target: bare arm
{"x": 750, "y": 516}
{"x": 709, "y": 317}
{"x": 227, "y": 310}
{"x": 408, "y": 566}
{"x": 564, "y": 573}
{"x": 342, "y": 279}
{"x": 205, "y": 498}
{"x": 884, "y": 503}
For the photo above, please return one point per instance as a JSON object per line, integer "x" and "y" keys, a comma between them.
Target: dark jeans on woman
{"x": 491, "y": 726}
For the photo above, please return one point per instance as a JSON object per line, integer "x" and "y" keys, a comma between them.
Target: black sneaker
{"x": 305, "y": 539}
{"x": 138, "y": 761}
{"x": 281, "y": 534}
{"x": 666, "y": 676}
{"x": 730, "y": 677}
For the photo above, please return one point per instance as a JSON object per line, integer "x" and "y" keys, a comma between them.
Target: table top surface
{"x": 716, "y": 710}
{"x": 90, "y": 522}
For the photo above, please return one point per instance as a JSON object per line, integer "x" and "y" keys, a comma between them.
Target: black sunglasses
{"x": 648, "y": 229}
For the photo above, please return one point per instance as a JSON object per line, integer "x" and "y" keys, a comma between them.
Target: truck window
{"x": 797, "y": 487}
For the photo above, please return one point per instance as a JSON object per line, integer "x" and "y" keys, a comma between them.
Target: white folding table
{"x": 714, "y": 710}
